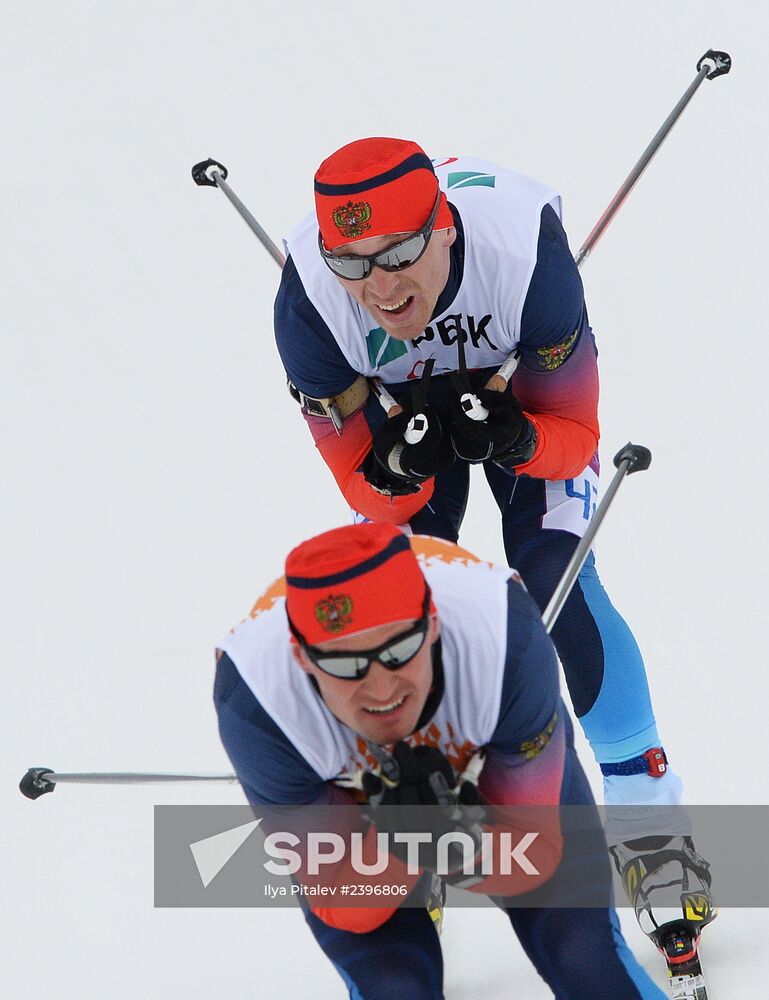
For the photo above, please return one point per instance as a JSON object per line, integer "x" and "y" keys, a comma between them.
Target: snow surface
{"x": 156, "y": 472}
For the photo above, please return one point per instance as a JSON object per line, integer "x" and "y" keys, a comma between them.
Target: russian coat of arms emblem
{"x": 352, "y": 220}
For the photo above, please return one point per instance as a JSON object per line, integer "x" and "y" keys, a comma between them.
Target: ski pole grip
{"x": 203, "y": 172}
{"x": 637, "y": 457}
{"x": 722, "y": 63}
{"x": 34, "y": 783}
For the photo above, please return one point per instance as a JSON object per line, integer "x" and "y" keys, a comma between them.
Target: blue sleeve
{"x": 530, "y": 691}
{"x": 313, "y": 360}
{"x": 269, "y": 767}
{"x": 553, "y": 310}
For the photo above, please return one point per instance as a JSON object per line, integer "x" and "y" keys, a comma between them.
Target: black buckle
{"x": 314, "y": 406}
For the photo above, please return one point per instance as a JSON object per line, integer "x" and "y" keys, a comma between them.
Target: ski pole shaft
{"x": 710, "y": 65}
{"x": 130, "y": 778}
{"x": 388, "y": 403}
{"x": 631, "y": 458}
{"x": 39, "y": 780}
{"x": 210, "y": 173}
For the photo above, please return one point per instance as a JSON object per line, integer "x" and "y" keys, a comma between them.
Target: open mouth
{"x": 398, "y": 307}
{"x": 385, "y": 709}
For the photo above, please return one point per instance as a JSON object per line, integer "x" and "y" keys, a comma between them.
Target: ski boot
{"x": 669, "y": 886}
{"x": 435, "y": 900}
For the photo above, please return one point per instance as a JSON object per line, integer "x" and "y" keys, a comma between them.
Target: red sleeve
{"x": 544, "y": 854}
{"x": 562, "y": 403}
{"x": 357, "y": 921}
{"x": 363, "y": 918}
{"x": 525, "y": 796}
{"x": 344, "y": 454}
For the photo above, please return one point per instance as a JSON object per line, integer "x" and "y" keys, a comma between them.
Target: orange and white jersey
{"x": 471, "y": 597}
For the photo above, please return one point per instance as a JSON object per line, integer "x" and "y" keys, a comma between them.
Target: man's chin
{"x": 387, "y": 731}
{"x": 410, "y": 332}
{"x": 414, "y": 328}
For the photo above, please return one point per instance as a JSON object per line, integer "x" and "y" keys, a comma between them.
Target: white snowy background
{"x": 155, "y": 471}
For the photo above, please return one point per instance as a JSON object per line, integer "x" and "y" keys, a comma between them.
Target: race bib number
{"x": 571, "y": 503}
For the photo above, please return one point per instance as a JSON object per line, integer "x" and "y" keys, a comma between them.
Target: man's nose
{"x": 380, "y": 683}
{"x": 382, "y": 283}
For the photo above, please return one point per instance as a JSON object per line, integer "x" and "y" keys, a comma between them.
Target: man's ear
{"x": 435, "y": 628}
{"x": 301, "y": 657}
{"x": 449, "y": 236}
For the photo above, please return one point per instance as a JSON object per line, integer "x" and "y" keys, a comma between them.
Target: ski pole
{"x": 39, "y": 780}
{"x": 710, "y": 65}
{"x": 631, "y": 458}
{"x": 211, "y": 173}
{"x": 386, "y": 401}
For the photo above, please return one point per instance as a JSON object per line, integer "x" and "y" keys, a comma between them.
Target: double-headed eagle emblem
{"x": 333, "y": 612}
{"x": 352, "y": 219}
{"x": 553, "y": 357}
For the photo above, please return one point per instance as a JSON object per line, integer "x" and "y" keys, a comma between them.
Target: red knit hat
{"x": 375, "y": 187}
{"x": 352, "y": 579}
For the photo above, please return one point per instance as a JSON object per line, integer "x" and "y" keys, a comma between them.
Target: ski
{"x": 679, "y": 947}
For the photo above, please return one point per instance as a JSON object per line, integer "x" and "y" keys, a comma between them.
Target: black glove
{"x": 393, "y": 465}
{"x": 506, "y": 436}
{"x": 426, "y": 798}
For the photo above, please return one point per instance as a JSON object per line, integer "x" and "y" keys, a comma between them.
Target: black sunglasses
{"x": 395, "y": 258}
{"x": 353, "y": 665}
